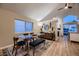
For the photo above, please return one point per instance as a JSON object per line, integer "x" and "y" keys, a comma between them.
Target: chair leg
{"x": 13, "y": 49}
{"x": 23, "y": 48}
{"x": 26, "y": 46}
{"x": 33, "y": 51}
{"x": 16, "y": 52}
{"x": 44, "y": 43}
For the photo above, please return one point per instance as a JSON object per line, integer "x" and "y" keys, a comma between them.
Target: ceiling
{"x": 40, "y": 11}
{"x": 64, "y": 12}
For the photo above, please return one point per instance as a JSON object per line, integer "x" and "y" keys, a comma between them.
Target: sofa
{"x": 48, "y": 36}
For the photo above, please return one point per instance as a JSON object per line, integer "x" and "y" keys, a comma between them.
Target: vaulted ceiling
{"x": 41, "y": 11}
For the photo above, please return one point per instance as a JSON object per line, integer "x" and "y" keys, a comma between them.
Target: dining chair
{"x": 25, "y": 34}
{"x": 17, "y": 45}
{"x": 31, "y": 33}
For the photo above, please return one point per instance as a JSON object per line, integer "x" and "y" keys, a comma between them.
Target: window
{"x": 73, "y": 28}
{"x": 23, "y": 26}
{"x": 29, "y": 26}
{"x": 19, "y": 26}
{"x": 70, "y": 27}
{"x": 70, "y": 18}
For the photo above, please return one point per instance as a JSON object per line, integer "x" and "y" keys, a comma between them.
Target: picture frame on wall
{"x": 45, "y": 27}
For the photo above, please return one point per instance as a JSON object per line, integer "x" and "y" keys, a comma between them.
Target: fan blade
{"x": 60, "y": 8}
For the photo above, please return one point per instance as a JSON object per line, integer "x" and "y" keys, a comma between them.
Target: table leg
{"x": 27, "y": 48}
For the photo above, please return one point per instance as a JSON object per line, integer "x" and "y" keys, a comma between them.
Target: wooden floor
{"x": 62, "y": 47}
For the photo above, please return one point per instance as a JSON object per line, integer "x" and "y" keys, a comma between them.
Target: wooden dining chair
{"x": 17, "y": 45}
{"x": 31, "y": 33}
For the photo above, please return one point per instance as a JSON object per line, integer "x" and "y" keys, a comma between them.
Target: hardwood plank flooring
{"x": 62, "y": 47}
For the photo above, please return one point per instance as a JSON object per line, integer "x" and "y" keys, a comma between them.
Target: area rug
{"x": 38, "y": 52}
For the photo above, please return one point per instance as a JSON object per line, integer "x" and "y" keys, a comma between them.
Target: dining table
{"x": 27, "y": 39}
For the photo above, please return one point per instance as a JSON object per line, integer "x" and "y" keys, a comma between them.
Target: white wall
{"x": 7, "y": 26}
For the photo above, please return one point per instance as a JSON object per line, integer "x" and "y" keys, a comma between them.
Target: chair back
{"x": 32, "y": 33}
{"x": 25, "y": 34}
{"x": 15, "y": 39}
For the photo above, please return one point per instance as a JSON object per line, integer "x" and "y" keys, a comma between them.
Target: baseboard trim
{"x": 6, "y": 46}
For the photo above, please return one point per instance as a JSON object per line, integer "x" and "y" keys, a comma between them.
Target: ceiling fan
{"x": 67, "y": 6}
